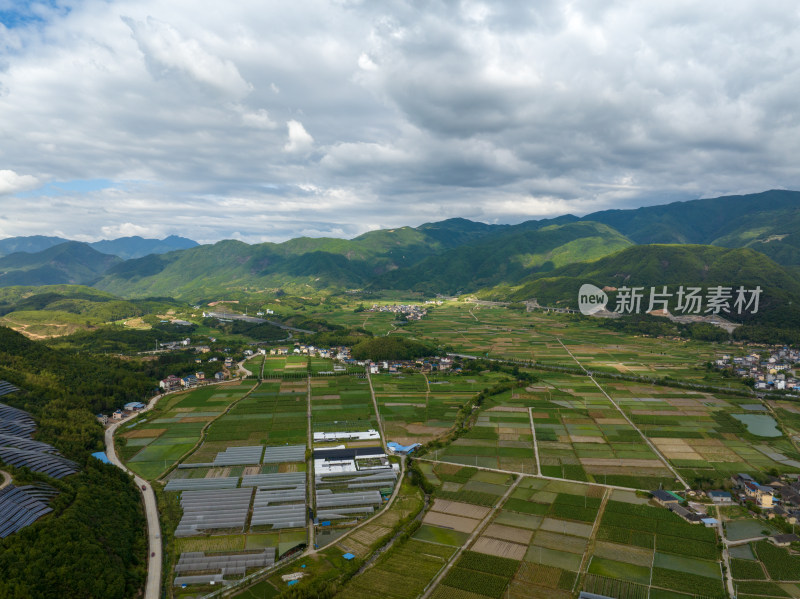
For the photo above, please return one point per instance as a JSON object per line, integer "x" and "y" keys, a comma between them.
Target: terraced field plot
{"x": 174, "y": 427}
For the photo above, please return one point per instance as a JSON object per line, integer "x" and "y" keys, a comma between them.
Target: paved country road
{"x": 153, "y": 585}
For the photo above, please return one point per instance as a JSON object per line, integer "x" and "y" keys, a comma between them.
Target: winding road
{"x": 155, "y": 557}
{"x": 6, "y": 479}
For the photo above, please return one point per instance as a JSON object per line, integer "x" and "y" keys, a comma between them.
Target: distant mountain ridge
{"x": 450, "y": 256}
{"x": 71, "y": 262}
{"x": 123, "y": 247}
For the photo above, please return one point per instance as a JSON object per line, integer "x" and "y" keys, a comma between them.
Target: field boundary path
{"x": 377, "y": 412}
{"x": 476, "y": 533}
{"x": 726, "y": 556}
{"x": 591, "y": 543}
{"x": 541, "y": 476}
{"x": 312, "y": 496}
{"x": 625, "y": 416}
{"x": 535, "y": 443}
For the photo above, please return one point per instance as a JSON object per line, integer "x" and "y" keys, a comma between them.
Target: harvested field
{"x": 561, "y": 542}
{"x": 195, "y": 419}
{"x": 288, "y": 467}
{"x": 499, "y": 548}
{"x": 587, "y": 439}
{"x": 624, "y": 553}
{"x": 623, "y": 463}
{"x": 519, "y": 590}
{"x": 456, "y": 508}
{"x": 576, "y": 529}
{"x": 144, "y": 433}
{"x": 458, "y": 523}
{"x": 509, "y": 533}
{"x": 248, "y": 470}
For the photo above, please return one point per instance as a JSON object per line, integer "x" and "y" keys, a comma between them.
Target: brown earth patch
{"x": 196, "y": 419}
{"x": 500, "y": 548}
{"x": 458, "y": 523}
{"x": 509, "y": 533}
{"x": 458, "y": 508}
{"x": 143, "y": 433}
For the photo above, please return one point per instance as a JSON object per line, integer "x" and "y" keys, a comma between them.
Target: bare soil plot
{"x": 576, "y": 529}
{"x": 145, "y": 432}
{"x": 622, "y": 462}
{"x": 509, "y": 533}
{"x": 196, "y": 419}
{"x": 458, "y": 523}
{"x": 500, "y": 548}
{"x": 587, "y": 439}
{"x": 624, "y": 553}
{"x": 456, "y": 508}
{"x": 561, "y": 542}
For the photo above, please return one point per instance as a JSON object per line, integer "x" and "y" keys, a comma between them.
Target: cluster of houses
{"x": 426, "y": 365}
{"x": 126, "y": 410}
{"x": 780, "y": 498}
{"x": 340, "y": 353}
{"x": 410, "y": 311}
{"x": 173, "y": 383}
{"x": 773, "y": 373}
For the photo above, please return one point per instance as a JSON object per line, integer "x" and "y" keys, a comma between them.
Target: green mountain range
{"x": 506, "y": 257}
{"x": 658, "y": 265}
{"x": 455, "y": 255}
{"x": 71, "y": 262}
{"x": 768, "y": 222}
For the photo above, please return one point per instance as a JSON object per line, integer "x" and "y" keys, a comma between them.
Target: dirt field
{"x": 624, "y": 553}
{"x": 509, "y": 533}
{"x": 624, "y": 463}
{"x": 458, "y": 523}
{"x": 248, "y": 470}
{"x": 456, "y": 508}
{"x": 143, "y": 433}
{"x": 560, "y": 542}
{"x": 499, "y": 548}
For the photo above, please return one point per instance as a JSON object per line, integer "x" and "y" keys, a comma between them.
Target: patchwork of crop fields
{"x": 550, "y": 537}
{"x": 173, "y": 428}
{"x": 342, "y": 403}
{"x": 514, "y": 334}
{"x": 416, "y": 408}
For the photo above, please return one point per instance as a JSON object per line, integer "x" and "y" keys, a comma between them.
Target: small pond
{"x": 760, "y": 425}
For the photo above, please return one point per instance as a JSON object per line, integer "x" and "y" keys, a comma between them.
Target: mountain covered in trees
{"x": 447, "y": 257}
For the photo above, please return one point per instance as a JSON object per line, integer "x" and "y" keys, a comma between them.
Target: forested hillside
{"x": 93, "y": 544}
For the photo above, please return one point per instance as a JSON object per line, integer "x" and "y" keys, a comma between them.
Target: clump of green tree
{"x": 391, "y": 347}
{"x": 92, "y": 545}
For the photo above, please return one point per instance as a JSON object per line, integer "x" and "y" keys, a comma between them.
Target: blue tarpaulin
{"x": 348, "y": 556}
{"x": 102, "y": 457}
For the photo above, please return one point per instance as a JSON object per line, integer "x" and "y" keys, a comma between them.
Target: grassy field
{"x": 153, "y": 444}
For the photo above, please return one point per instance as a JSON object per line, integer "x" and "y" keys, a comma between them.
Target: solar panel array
{"x": 197, "y": 561}
{"x": 25, "y": 443}
{"x": 202, "y": 484}
{"x": 208, "y": 510}
{"x": 285, "y": 453}
{"x": 239, "y": 456}
{"x": 17, "y": 448}
{"x": 17, "y": 422}
{"x": 6, "y": 388}
{"x": 47, "y": 463}
{"x": 22, "y": 506}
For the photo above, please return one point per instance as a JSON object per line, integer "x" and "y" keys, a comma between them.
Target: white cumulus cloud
{"x": 299, "y": 140}
{"x": 11, "y": 182}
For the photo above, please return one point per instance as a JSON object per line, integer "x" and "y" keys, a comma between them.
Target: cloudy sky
{"x": 265, "y": 120}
